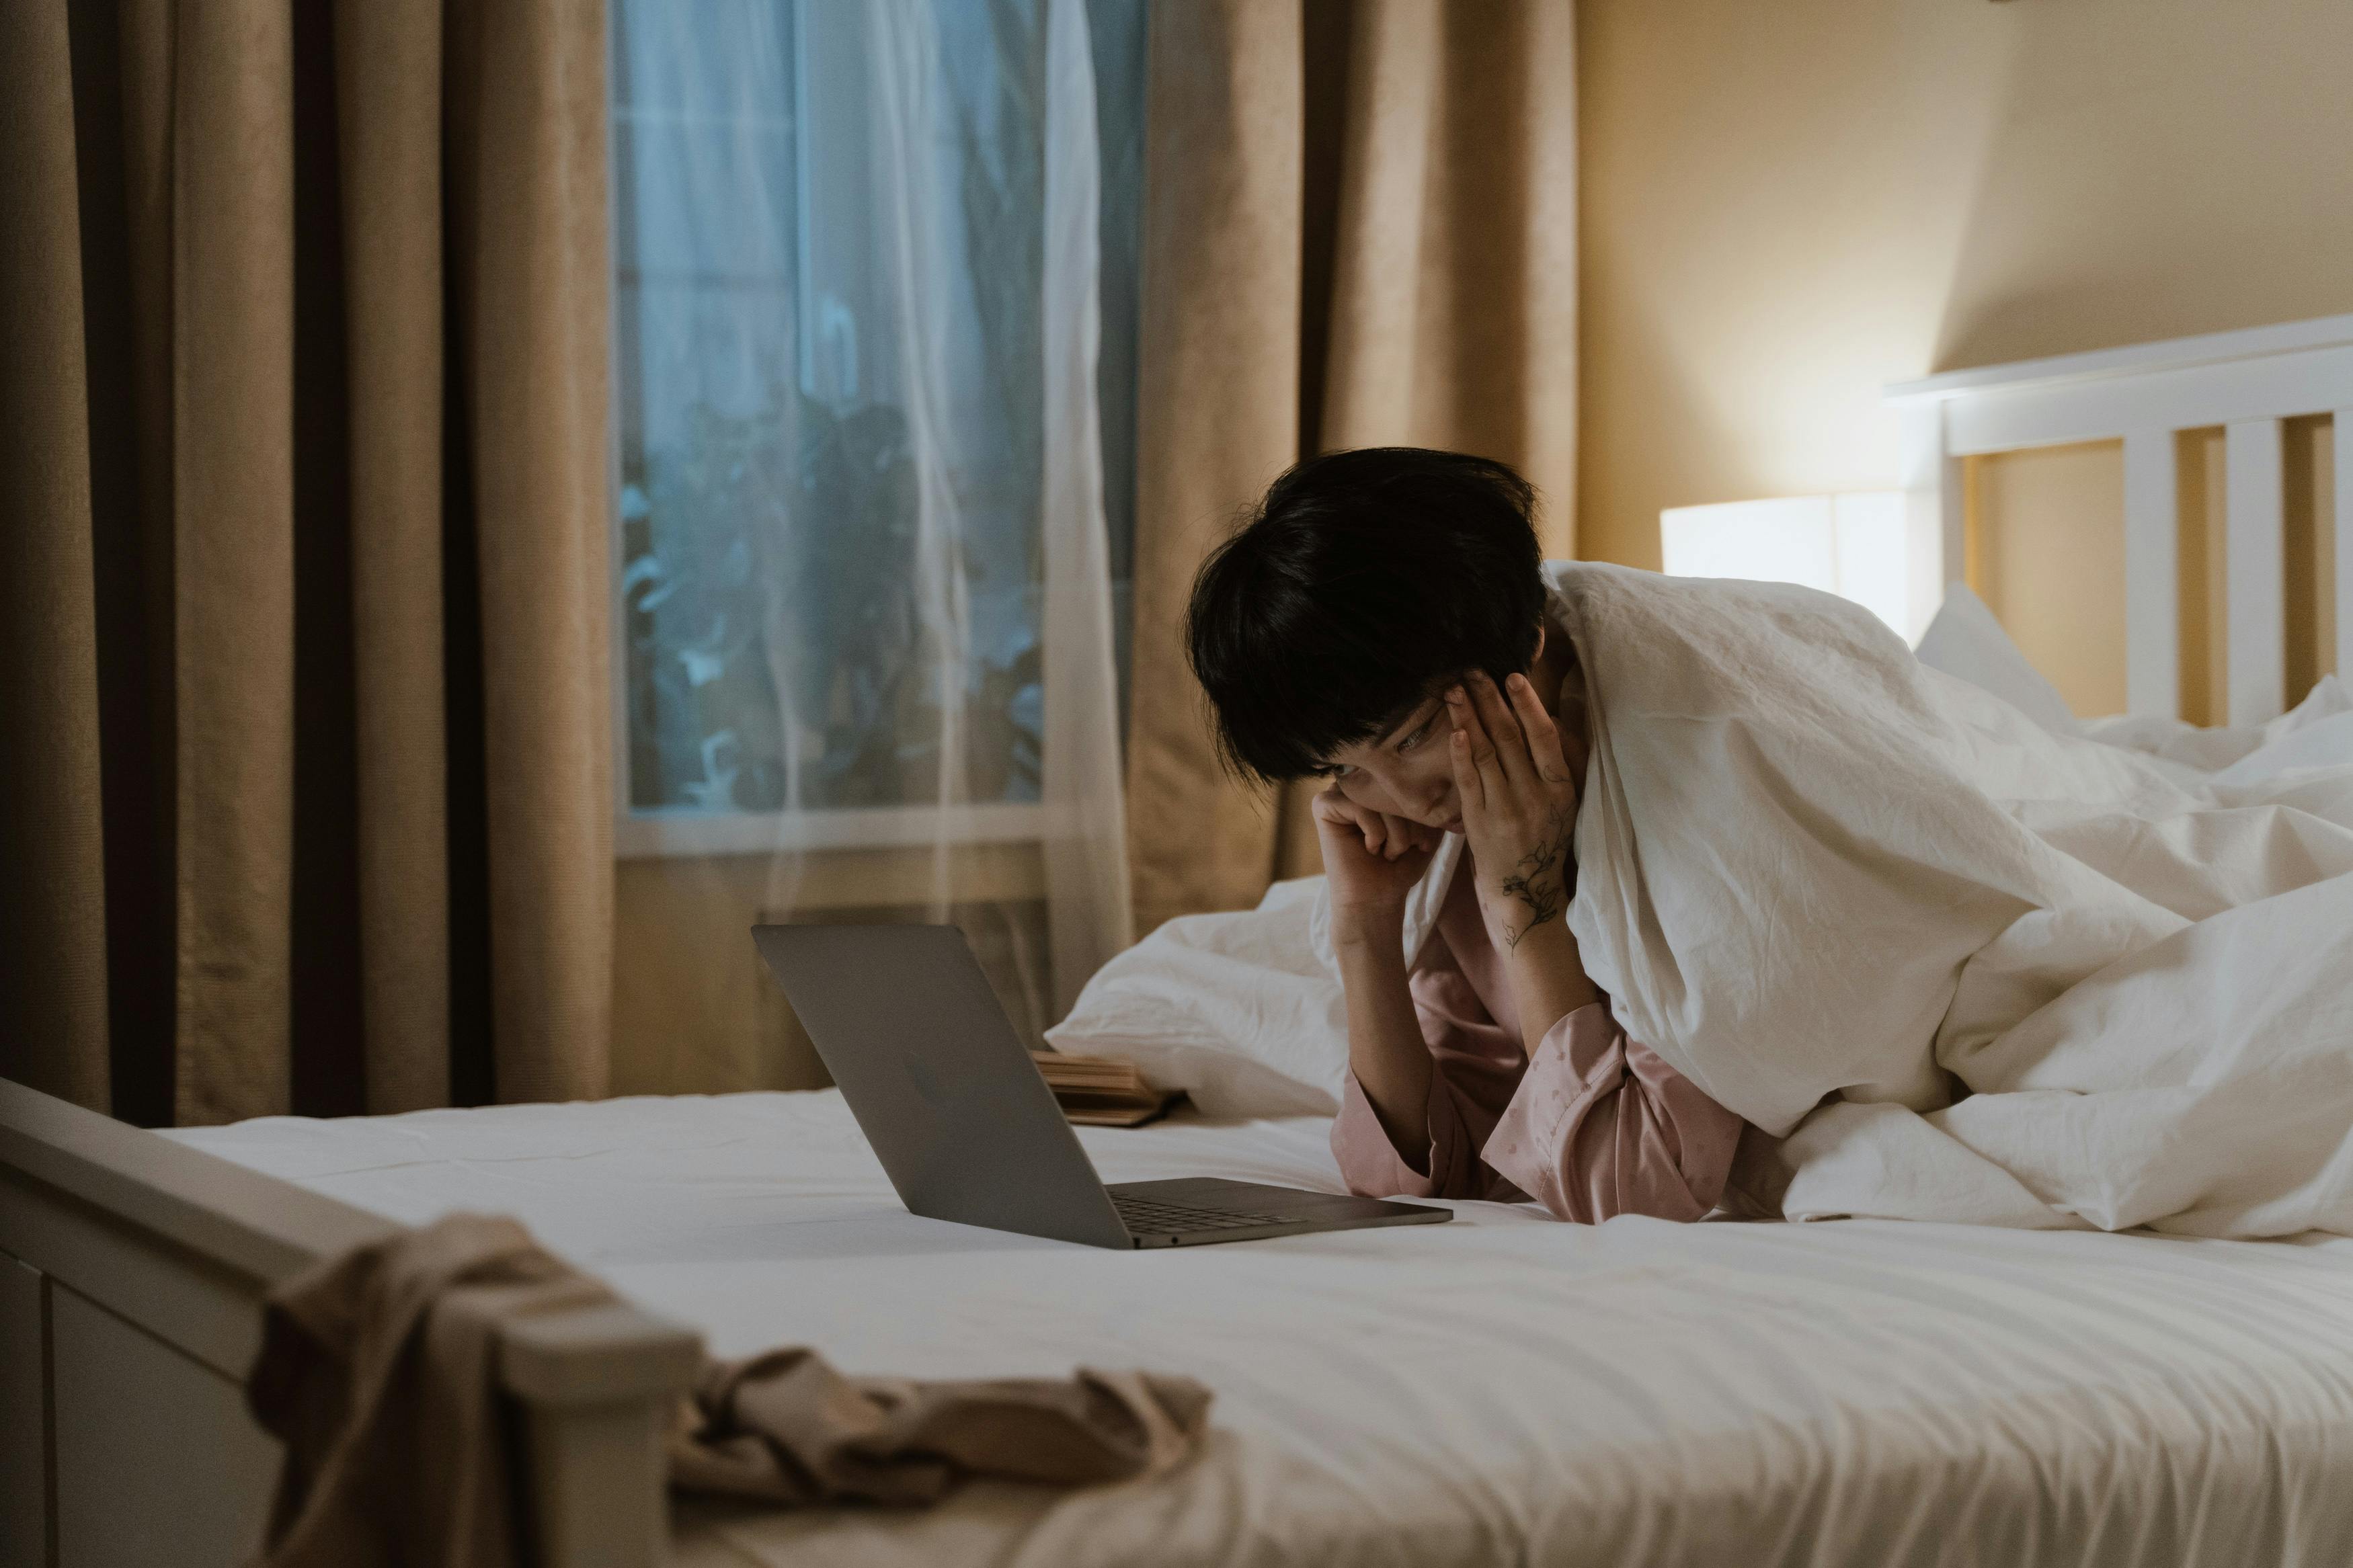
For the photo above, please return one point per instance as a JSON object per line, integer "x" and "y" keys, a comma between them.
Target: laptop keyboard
{"x": 1148, "y": 1218}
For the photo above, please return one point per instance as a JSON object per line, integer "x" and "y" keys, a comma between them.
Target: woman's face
{"x": 1405, "y": 773}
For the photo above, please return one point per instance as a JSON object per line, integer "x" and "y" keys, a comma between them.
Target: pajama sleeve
{"x": 1474, "y": 1064}
{"x": 1600, "y": 1125}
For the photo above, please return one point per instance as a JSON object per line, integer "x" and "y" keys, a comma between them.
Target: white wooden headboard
{"x": 2245, "y": 382}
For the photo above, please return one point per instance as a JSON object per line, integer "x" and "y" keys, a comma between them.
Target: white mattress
{"x": 1500, "y": 1389}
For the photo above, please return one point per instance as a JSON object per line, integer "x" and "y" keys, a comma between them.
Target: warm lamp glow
{"x": 1851, "y": 545}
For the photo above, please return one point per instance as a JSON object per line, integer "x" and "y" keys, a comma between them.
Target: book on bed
{"x": 1096, "y": 1092}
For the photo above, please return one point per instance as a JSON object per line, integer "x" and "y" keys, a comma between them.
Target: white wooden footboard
{"x": 132, "y": 1274}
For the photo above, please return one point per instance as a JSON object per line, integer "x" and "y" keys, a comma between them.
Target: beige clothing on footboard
{"x": 378, "y": 1372}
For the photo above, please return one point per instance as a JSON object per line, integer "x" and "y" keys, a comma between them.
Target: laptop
{"x": 943, "y": 1087}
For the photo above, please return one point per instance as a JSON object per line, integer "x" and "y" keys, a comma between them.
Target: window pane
{"x": 793, "y": 368}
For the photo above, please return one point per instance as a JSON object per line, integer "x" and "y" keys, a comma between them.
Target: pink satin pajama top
{"x": 1593, "y": 1125}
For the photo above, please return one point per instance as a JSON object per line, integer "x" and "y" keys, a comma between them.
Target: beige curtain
{"x": 304, "y": 685}
{"x": 1360, "y": 229}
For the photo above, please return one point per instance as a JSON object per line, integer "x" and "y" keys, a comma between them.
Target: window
{"x": 828, "y": 244}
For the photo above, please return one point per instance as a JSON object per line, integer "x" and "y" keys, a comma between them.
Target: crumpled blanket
{"x": 378, "y": 1369}
{"x": 1975, "y": 970}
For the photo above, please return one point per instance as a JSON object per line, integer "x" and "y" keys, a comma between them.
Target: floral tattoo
{"x": 1536, "y": 881}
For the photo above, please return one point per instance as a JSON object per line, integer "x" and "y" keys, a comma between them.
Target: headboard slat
{"x": 2255, "y": 570}
{"x": 2152, "y": 574}
{"x": 2345, "y": 542}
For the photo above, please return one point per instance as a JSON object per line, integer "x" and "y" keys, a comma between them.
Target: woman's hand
{"x": 1518, "y": 802}
{"x": 1373, "y": 859}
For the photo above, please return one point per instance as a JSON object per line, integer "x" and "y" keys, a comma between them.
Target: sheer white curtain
{"x": 1089, "y": 902}
{"x": 866, "y": 564}
{"x": 925, "y": 177}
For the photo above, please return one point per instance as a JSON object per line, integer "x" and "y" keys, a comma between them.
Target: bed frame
{"x": 132, "y": 1267}
{"x": 132, "y": 1274}
{"x": 2246, "y": 382}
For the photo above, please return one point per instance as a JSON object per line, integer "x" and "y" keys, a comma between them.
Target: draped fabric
{"x": 1360, "y": 229}
{"x": 304, "y": 692}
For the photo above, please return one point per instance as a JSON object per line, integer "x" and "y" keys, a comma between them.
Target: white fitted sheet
{"x": 1500, "y": 1389}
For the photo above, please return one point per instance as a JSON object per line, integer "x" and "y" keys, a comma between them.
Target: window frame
{"x": 649, "y": 833}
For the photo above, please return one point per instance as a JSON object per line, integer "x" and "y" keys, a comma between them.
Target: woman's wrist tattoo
{"x": 1536, "y": 881}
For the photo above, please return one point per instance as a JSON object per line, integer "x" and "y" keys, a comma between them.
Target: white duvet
{"x": 1500, "y": 1389}
{"x": 1810, "y": 865}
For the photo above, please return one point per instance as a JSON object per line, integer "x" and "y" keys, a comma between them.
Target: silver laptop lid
{"x": 939, "y": 1082}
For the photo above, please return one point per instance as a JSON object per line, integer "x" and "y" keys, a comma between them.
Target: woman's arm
{"x": 1599, "y": 1125}
{"x": 1548, "y": 979}
{"x": 1410, "y": 1124}
{"x": 1386, "y": 1050}
{"x": 1371, "y": 862}
{"x": 1530, "y": 812}
{"x": 1519, "y": 812}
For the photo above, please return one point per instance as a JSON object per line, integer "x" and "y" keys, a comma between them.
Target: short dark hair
{"x": 1364, "y": 583}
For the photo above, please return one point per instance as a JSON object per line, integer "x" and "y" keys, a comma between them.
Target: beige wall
{"x": 1788, "y": 204}
{"x": 2050, "y": 521}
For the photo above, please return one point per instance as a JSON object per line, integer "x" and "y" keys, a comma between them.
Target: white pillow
{"x": 1965, "y": 641}
{"x": 1236, "y": 1009}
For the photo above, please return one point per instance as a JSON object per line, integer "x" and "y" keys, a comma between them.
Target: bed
{"x": 1499, "y": 1389}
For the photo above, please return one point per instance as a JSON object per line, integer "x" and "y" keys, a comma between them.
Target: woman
{"x": 1382, "y": 622}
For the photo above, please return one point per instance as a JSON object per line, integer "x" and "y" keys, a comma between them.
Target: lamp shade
{"x": 1853, "y": 545}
